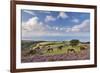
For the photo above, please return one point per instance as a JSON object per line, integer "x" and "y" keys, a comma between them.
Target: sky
{"x": 40, "y": 25}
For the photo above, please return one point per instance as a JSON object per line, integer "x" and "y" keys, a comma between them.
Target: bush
{"x": 74, "y": 42}
{"x": 32, "y": 52}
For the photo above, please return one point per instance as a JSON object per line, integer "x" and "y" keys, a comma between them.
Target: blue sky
{"x": 55, "y": 25}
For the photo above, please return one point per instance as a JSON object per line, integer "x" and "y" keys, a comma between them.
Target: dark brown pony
{"x": 83, "y": 48}
{"x": 60, "y": 47}
{"x": 71, "y": 51}
{"x": 50, "y": 49}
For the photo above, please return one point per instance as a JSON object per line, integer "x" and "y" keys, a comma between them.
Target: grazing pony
{"x": 83, "y": 48}
{"x": 71, "y": 51}
{"x": 36, "y": 50}
{"x": 50, "y": 49}
{"x": 60, "y": 47}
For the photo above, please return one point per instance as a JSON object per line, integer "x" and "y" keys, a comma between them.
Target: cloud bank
{"x": 33, "y": 27}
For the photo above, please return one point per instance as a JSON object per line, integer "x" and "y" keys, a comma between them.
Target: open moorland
{"x": 44, "y": 51}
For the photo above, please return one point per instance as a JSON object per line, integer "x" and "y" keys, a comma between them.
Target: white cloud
{"x": 29, "y": 12}
{"x": 33, "y": 27}
{"x": 75, "y": 20}
{"x": 84, "y": 26}
{"x": 49, "y": 18}
{"x": 62, "y": 15}
{"x": 75, "y": 30}
{"x": 48, "y": 12}
{"x": 56, "y": 28}
{"x": 61, "y": 29}
{"x": 68, "y": 30}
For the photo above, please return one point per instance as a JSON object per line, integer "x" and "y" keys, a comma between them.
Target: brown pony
{"x": 50, "y": 49}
